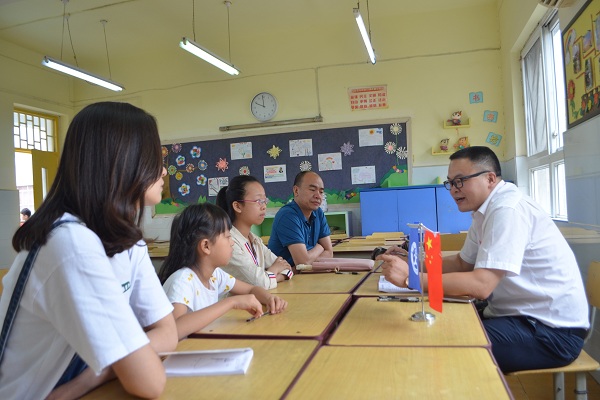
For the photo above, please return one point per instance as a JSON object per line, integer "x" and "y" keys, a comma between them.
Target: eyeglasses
{"x": 262, "y": 202}
{"x": 459, "y": 182}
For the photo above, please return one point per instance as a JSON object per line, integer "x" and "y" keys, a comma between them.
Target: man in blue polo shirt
{"x": 300, "y": 233}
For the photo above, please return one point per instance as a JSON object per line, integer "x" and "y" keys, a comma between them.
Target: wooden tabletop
{"x": 377, "y": 323}
{"x": 307, "y": 316}
{"x": 401, "y": 373}
{"x": 274, "y": 366}
{"x": 370, "y": 287}
{"x": 321, "y": 282}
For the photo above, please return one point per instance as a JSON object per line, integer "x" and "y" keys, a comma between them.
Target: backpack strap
{"x": 17, "y": 293}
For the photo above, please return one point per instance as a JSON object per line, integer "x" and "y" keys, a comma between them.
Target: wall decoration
{"x": 402, "y": 153}
{"x": 490, "y": 116}
{"x": 244, "y": 170}
{"x": 390, "y": 147}
{"x": 184, "y": 189}
{"x": 462, "y": 143}
{"x": 368, "y": 97}
{"x": 347, "y": 149}
{"x": 363, "y": 175}
{"x": 444, "y": 144}
{"x": 494, "y": 139}
{"x": 581, "y": 45}
{"x": 222, "y": 164}
{"x": 241, "y": 150}
{"x": 275, "y": 173}
{"x": 215, "y": 184}
{"x": 301, "y": 148}
{"x": 395, "y": 129}
{"x": 370, "y": 137}
{"x": 330, "y": 161}
{"x": 389, "y": 168}
{"x": 195, "y": 152}
{"x": 274, "y": 152}
{"x": 475, "y": 97}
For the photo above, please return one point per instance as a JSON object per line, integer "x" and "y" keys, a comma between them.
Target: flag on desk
{"x": 433, "y": 263}
{"x": 414, "y": 281}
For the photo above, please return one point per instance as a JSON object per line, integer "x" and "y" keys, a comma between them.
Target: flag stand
{"x": 421, "y": 316}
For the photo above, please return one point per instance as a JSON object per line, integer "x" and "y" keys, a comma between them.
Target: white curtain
{"x": 535, "y": 100}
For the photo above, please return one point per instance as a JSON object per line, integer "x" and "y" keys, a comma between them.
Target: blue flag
{"x": 414, "y": 248}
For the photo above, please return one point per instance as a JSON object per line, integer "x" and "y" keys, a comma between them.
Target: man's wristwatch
{"x": 406, "y": 283}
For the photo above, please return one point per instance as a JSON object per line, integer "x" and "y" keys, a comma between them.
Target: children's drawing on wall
{"x": 589, "y": 75}
{"x": 215, "y": 184}
{"x": 370, "y": 137}
{"x": 275, "y": 173}
{"x": 240, "y": 151}
{"x": 490, "y": 116}
{"x": 475, "y": 97}
{"x": 330, "y": 161}
{"x": 301, "y": 148}
{"x": 494, "y": 139}
{"x": 577, "y": 57}
{"x": 363, "y": 175}
{"x": 588, "y": 45}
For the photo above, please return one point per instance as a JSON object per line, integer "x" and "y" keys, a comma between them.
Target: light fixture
{"x": 81, "y": 74}
{"x": 206, "y": 55}
{"x": 76, "y": 71}
{"x": 363, "y": 32}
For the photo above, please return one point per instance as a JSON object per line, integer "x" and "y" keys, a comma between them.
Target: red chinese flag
{"x": 433, "y": 262}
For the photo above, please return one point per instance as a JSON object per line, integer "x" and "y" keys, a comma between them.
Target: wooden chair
{"x": 584, "y": 363}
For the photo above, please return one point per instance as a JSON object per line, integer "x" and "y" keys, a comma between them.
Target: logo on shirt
{"x": 126, "y": 286}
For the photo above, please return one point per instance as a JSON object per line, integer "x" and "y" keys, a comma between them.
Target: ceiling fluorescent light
{"x": 364, "y": 34}
{"x": 81, "y": 74}
{"x": 207, "y": 56}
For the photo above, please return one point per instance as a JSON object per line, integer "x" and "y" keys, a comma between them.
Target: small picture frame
{"x": 588, "y": 43}
{"x": 576, "y": 56}
{"x": 596, "y": 32}
{"x": 596, "y": 69}
{"x": 588, "y": 74}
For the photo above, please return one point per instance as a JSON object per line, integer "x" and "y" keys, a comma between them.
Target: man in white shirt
{"x": 516, "y": 258}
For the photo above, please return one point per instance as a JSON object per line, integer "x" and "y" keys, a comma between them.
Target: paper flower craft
{"x": 347, "y": 149}
{"x": 305, "y": 166}
{"x": 179, "y": 176}
{"x": 190, "y": 168}
{"x": 245, "y": 170}
{"x": 202, "y": 165}
{"x": 402, "y": 153}
{"x": 396, "y": 129}
{"x": 172, "y": 170}
{"x": 222, "y": 164}
{"x": 195, "y": 152}
{"x": 390, "y": 147}
{"x": 274, "y": 151}
{"x": 201, "y": 180}
{"x": 176, "y": 147}
{"x": 184, "y": 189}
{"x": 165, "y": 151}
{"x": 180, "y": 160}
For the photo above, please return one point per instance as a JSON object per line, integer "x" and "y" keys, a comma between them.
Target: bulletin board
{"x": 348, "y": 159}
{"x": 581, "y": 46}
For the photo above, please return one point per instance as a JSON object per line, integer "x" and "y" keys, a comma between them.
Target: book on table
{"x": 207, "y": 362}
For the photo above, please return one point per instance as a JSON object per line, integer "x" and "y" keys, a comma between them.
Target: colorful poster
{"x": 240, "y": 151}
{"x": 275, "y": 173}
{"x": 301, "y": 148}
{"x": 370, "y": 137}
{"x": 330, "y": 161}
{"x": 363, "y": 175}
{"x": 368, "y": 97}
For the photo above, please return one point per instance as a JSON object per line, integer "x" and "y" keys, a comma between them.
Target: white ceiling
{"x": 137, "y": 28}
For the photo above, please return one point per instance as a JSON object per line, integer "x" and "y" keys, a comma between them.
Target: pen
{"x": 401, "y": 299}
{"x": 253, "y": 318}
{"x": 346, "y": 272}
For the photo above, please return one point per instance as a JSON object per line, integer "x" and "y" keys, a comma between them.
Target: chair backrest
{"x": 592, "y": 286}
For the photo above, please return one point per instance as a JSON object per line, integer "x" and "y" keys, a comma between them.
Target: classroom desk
{"x": 378, "y": 323}
{"x": 274, "y": 366}
{"x": 400, "y": 373}
{"x": 308, "y": 316}
{"x": 322, "y": 282}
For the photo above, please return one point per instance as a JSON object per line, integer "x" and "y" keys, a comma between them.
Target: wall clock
{"x": 263, "y": 106}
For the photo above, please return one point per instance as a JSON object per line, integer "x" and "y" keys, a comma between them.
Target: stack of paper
{"x": 387, "y": 287}
{"x": 208, "y": 362}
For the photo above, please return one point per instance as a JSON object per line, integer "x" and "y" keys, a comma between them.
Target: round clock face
{"x": 263, "y": 106}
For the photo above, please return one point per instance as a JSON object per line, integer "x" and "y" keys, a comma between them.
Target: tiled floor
{"x": 540, "y": 387}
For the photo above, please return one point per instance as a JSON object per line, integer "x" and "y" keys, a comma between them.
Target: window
{"x": 545, "y": 116}
{"x": 31, "y": 131}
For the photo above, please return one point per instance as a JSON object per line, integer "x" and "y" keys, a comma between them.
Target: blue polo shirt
{"x": 291, "y": 227}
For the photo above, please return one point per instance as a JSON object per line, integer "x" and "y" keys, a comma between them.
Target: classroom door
{"x": 44, "y": 164}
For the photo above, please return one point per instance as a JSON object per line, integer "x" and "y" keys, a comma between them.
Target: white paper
{"x": 208, "y": 362}
{"x": 215, "y": 184}
{"x": 240, "y": 151}
{"x": 387, "y": 287}
{"x": 370, "y": 137}
{"x": 275, "y": 173}
{"x": 362, "y": 175}
{"x": 330, "y": 161}
{"x": 301, "y": 148}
